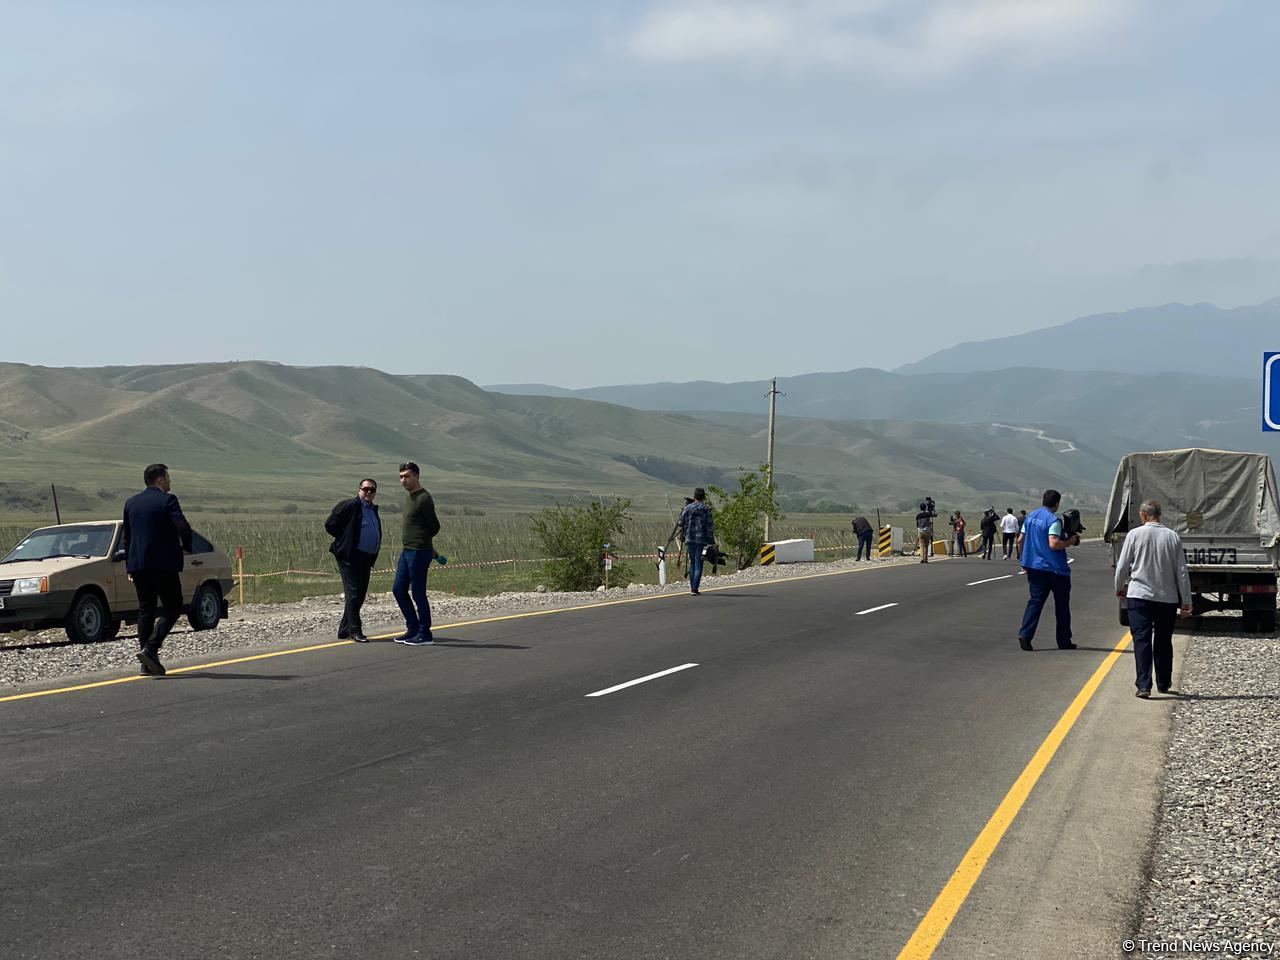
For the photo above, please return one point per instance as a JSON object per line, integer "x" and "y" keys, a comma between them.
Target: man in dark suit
{"x": 357, "y": 538}
{"x": 155, "y": 536}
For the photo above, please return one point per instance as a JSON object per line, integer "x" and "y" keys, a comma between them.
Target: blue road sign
{"x": 1270, "y": 392}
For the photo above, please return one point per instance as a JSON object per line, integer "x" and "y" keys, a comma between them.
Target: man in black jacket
{"x": 154, "y": 538}
{"x": 357, "y": 537}
{"x": 863, "y": 530}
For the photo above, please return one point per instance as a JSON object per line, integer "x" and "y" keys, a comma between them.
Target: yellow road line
{"x": 445, "y": 626}
{"x": 934, "y": 926}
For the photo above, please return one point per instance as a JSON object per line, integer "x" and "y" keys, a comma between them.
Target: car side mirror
{"x": 119, "y": 555}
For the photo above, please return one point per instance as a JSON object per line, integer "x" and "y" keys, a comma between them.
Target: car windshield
{"x": 70, "y": 541}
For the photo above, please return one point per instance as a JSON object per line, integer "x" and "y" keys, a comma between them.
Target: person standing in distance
{"x": 698, "y": 531}
{"x": 154, "y": 537}
{"x": 988, "y": 527}
{"x": 1044, "y": 559}
{"x": 357, "y": 537}
{"x": 1017, "y": 544}
{"x": 863, "y": 530}
{"x": 410, "y": 587}
{"x": 924, "y": 531}
{"x": 1009, "y": 528}
{"x": 1153, "y": 563}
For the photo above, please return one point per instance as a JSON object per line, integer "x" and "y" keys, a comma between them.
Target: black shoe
{"x": 1067, "y": 646}
{"x": 1024, "y": 643}
{"x": 358, "y": 638}
{"x": 695, "y": 593}
{"x": 1162, "y": 689}
{"x": 150, "y": 661}
{"x": 343, "y": 635}
{"x": 1144, "y": 694}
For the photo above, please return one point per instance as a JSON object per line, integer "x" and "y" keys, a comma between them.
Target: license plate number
{"x": 1211, "y": 555}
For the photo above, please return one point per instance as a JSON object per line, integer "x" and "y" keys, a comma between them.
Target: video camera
{"x": 1071, "y": 525}
{"x": 713, "y": 555}
{"x": 930, "y": 507}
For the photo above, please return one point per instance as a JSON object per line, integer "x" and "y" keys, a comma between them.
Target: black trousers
{"x": 1010, "y": 539}
{"x": 153, "y": 588}
{"x": 988, "y": 543}
{"x": 355, "y": 587}
{"x": 1151, "y": 623}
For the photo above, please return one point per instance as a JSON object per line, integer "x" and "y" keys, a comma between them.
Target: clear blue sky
{"x": 592, "y": 191}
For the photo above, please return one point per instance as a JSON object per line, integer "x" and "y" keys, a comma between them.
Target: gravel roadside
{"x": 41, "y": 657}
{"x": 1215, "y": 865}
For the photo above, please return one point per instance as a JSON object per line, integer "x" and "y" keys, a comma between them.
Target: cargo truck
{"x": 1224, "y": 506}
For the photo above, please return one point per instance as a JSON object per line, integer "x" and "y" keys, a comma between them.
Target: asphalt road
{"x": 805, "y": 790}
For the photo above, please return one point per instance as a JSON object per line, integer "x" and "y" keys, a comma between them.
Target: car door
{"x": 195, "y": 569}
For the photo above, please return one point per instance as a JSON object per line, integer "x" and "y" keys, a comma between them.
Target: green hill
{"x": 246, "y": 435}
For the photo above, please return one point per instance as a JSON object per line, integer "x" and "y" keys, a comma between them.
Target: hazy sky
{"x": 594, "y": 191}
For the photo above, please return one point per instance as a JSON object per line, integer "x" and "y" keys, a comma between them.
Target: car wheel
{"x": 206, "y": 608}
{"x": 88, "y": 620}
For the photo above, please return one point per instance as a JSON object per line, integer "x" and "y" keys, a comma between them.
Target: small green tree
{"x": 739, "y": 526}
{"x": 574, "y": 536}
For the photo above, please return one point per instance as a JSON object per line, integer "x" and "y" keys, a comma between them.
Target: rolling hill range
{"x": 1148, "y": 411}
{"x": 245, "y": 433}
{"x": 1197, "y": 338}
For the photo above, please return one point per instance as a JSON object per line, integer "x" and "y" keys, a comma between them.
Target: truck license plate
{"x": 1211, "y": 555}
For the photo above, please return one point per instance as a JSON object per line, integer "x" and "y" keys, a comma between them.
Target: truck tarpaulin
{"x": 1203, "y": 494}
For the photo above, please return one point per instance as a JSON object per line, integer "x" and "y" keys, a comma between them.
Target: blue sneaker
{"x": 421, "y": 640}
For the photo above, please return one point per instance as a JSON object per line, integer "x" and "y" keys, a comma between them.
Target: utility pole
{"x": 773, "y": 404}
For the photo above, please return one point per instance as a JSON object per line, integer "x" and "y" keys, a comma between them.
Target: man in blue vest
{"x": 1043, "y": 549}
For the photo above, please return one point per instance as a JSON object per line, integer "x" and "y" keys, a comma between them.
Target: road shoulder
{"x": 1067, "y": 879}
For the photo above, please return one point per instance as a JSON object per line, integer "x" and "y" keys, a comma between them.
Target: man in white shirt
{"x": 1155, "y": 567}
{"x": 1009, "y": 530}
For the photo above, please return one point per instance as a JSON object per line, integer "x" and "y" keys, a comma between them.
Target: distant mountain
{"x": 247, "y": 433}
{"x": 529, "y": 389}
{"x": 1147, "y": 410}
{"x": 1199, "y": 339}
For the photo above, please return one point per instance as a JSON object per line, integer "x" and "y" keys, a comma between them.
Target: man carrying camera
{"x": 698, "y": 531}
{"x": 1044, "y": 559}
{"x": 960, "y": 524}
{"x": 988, "y": 527}
{"x": 924, "y": 528}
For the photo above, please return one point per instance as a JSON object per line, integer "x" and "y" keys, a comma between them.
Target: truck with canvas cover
{"x": 1224, "y": 506}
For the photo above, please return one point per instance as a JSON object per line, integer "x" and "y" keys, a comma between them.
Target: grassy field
{"x": 487, "y": 554}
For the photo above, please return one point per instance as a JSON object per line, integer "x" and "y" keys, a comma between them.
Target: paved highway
{"x": 801, "y": 774}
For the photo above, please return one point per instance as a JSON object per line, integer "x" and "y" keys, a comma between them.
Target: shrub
{"x": 739, "y": 527}
{"x": 575, "y": 537}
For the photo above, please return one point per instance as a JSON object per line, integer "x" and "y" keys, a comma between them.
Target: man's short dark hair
{"x": 154, "y": 473}
{"x": 368, "y": 480}
{"x": 922, "y": 507}
{"x": 411, "y": 467}
{"x": 699, "y": 493}
{"x": 1051, "y": 499}
{"x": 1011, "y": 509}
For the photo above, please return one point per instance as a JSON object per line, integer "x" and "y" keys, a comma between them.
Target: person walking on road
{"x": 1017, "y": 544}
{"x": 410, "y": 587}
{"x": 154, "y": 538}
{"x": 1044, "y": 559}
{"x": 924, "y": 531}
{"x": 357, "y": 537}
{"x": 1158, "y": 589}
{"x": 697, "y": 532}
{"x": 1009, "y": 528}
{"x": 961, "y": 549}
{"x": 863, "y": 530}
{"x": 988, "y": 527}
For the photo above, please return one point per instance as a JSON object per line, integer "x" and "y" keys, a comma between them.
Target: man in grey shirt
{"x": 1155, "y": 567}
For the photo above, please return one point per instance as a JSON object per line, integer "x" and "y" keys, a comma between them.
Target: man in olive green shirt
{"x": 410, "y": 586}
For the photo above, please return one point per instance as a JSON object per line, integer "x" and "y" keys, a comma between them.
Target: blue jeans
{"x": 695, "y": 564}
{"x": 411, "y": 581}
{"x": 864, "y": 540}
{"x": 1151, "y": 624}
{"x": 961, "y": 549}
{"x": 1043, "y": 583}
